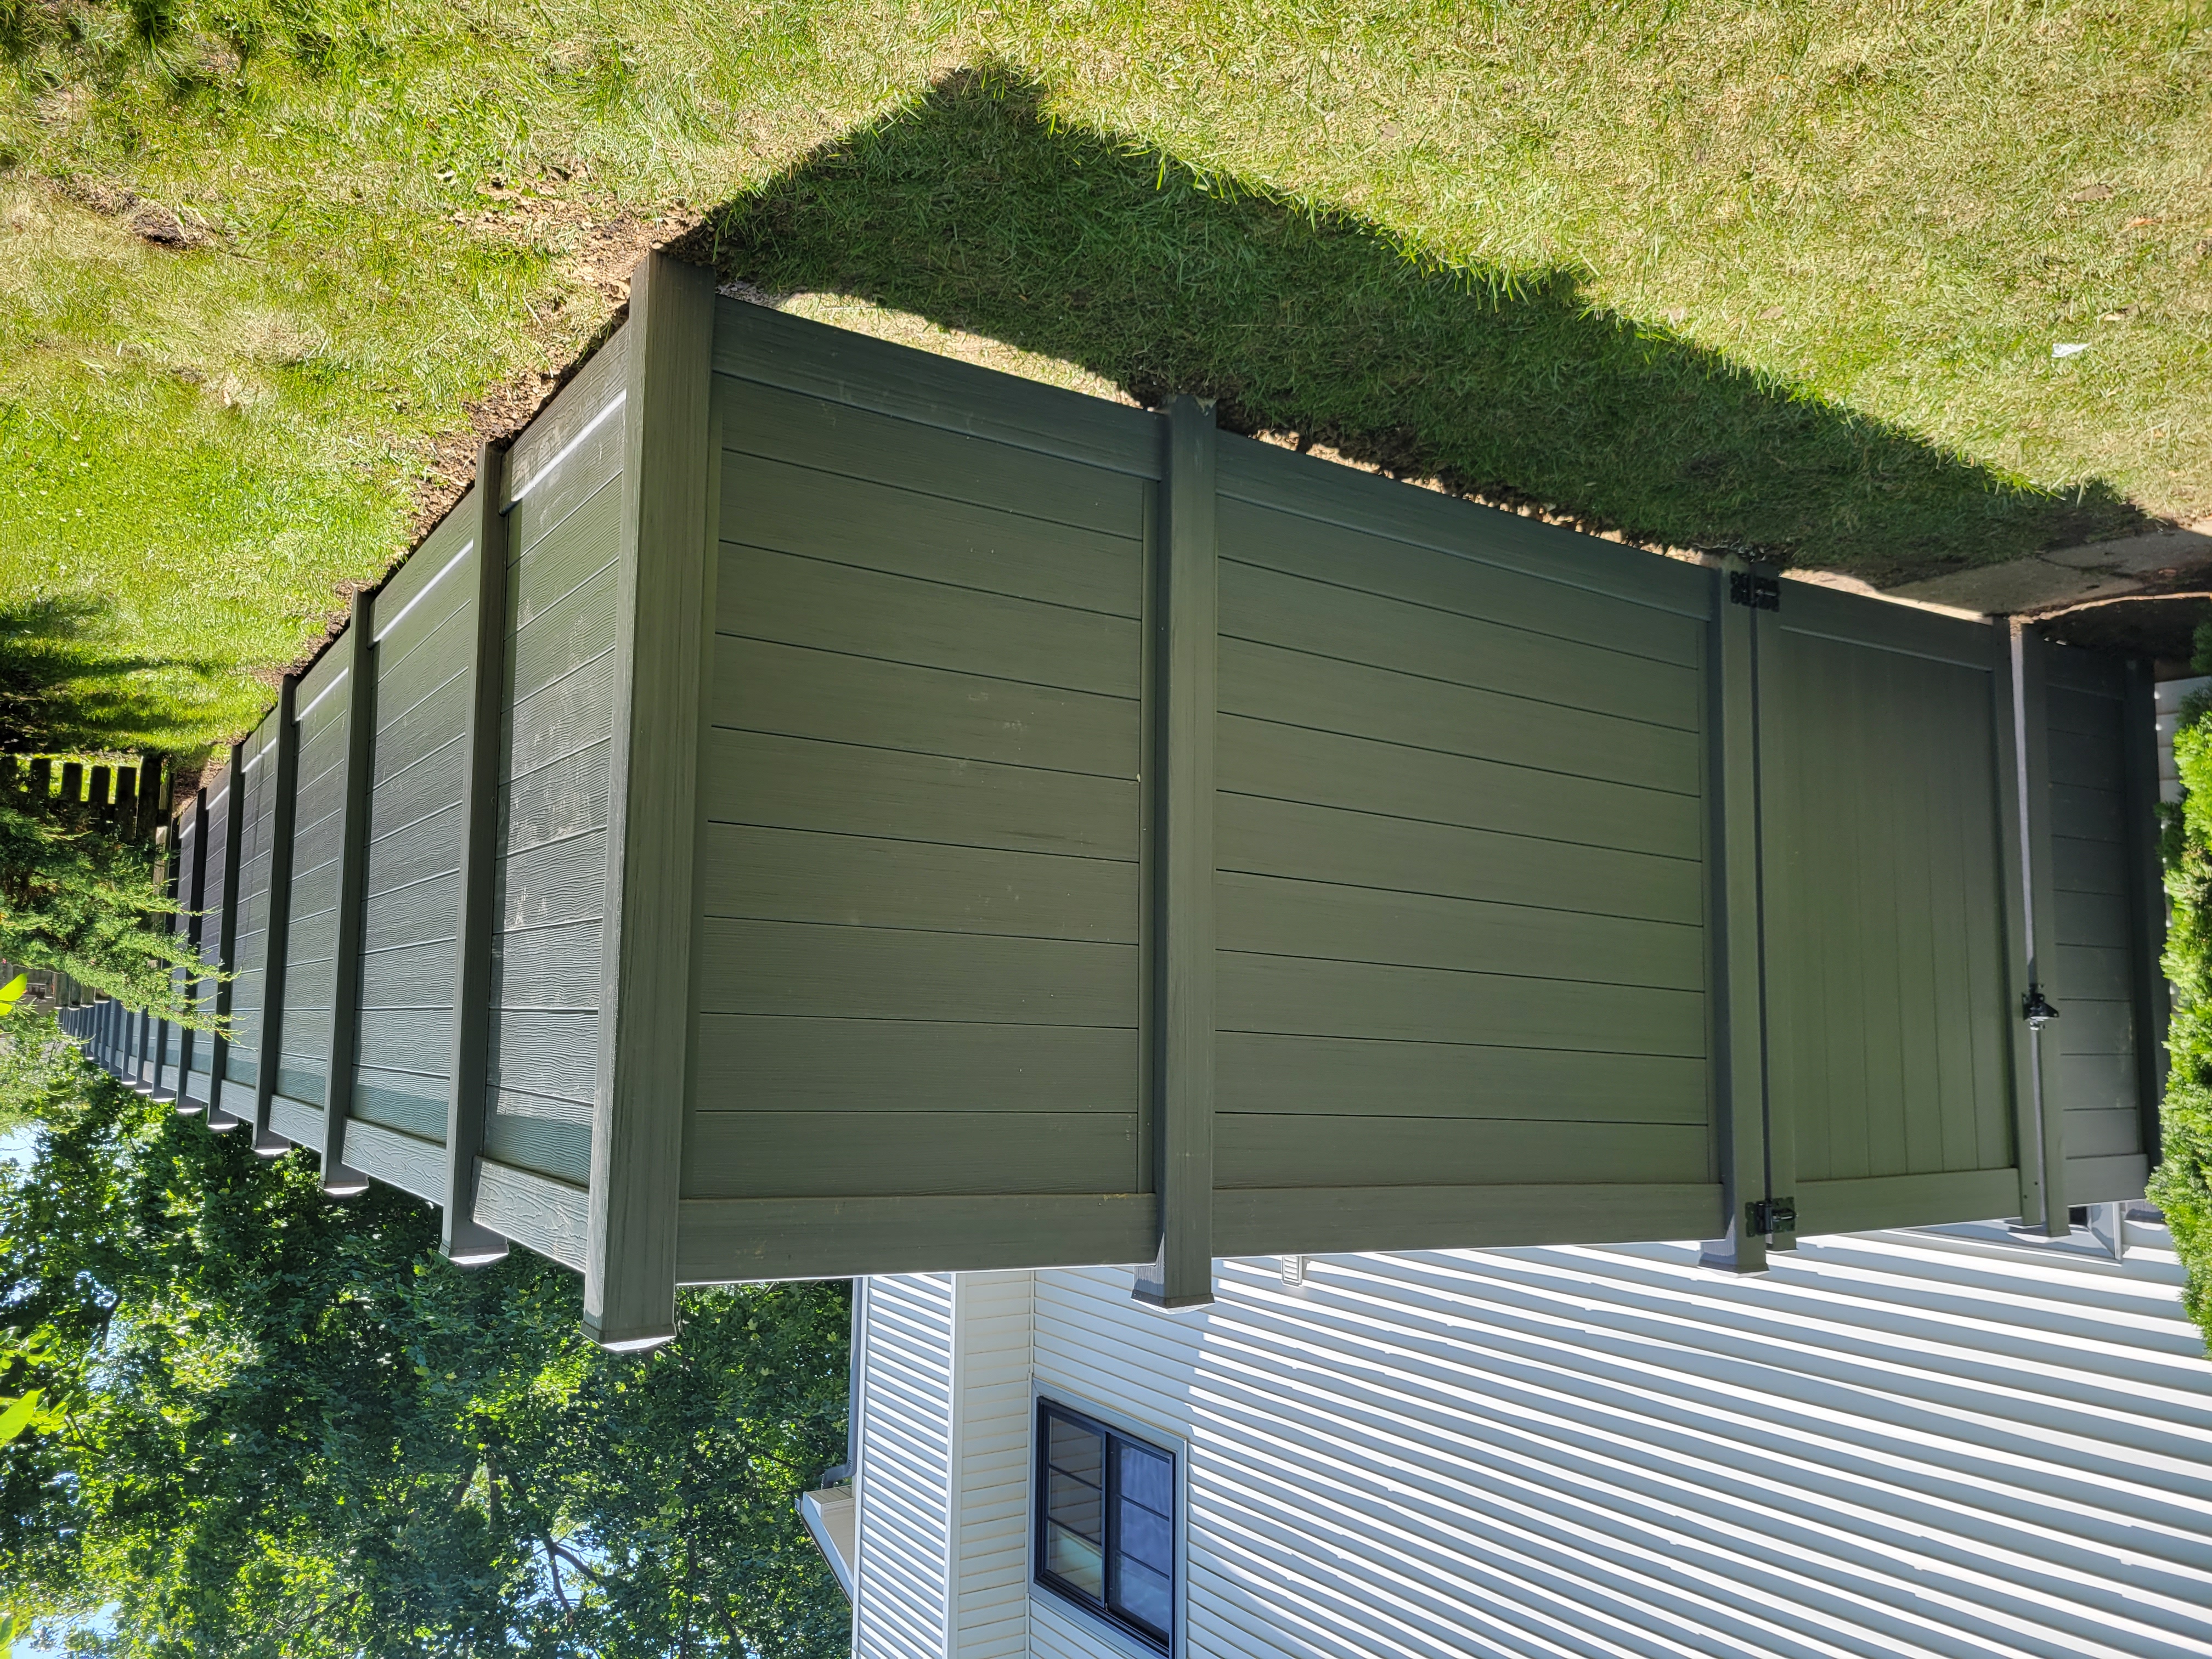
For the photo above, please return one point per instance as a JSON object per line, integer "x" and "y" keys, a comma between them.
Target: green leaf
{"x": 21, "y": 1414}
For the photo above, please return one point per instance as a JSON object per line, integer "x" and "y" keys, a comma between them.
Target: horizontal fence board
{"x": 1289, "y": 762}
{"x": 552, "y": 966}
{"x": 308, "y": 944}
{"x": 766, "y": 1062}
{"x": 424, "y": 910}
{"x": 2103, "y": 1132}
{"x": 794, "y": 784}
{"x": 578, "y": 478}
{"x": 1250, "y": 1221}
{"x": 1269, "y": 608}
{"x": 855, "y": 521}
{"x": 2090, "y": 919}
{"x": 405, "y": 1161}
{"x": 407, "y": 1101}
{"x": 1269, "y": 682}
{"x": 573, "y": 444}
{"x": 422, "y": 702}
{"x": 561, "y": 882}
{"x": 2089, "y": 1026}
{"x": 755, "y": 345}
{"x": 1360, "y": 849}
{"x": 1913, "y": 1200}
{"x": 2078, "y": 713}
{"x": 1330, "y": 492}
{"x": 419, "y": 628}
{"x": 1364, "y": 562}
{"x": 2087, "y": 814}
{"x": 2093, "y": 1082}
{"x": 2094, "y": 970}
{"x": 781, "y": 426}
{"x": 545, "y": 1216}
{"x": 781, "y": 875}
{"x": 1303, "y": 1150}
{"x": 2088, "y": 866}
{"x": 718, "y": 1241}
{"x": 568, "y": 715}
{"x": 429, "y": 786}
{"x": 774, "y": 968}
{"x": 785, "y": 1155}
{"x": 298, "y": 1121}
{"x": 787, "y": 691}
{"x": 1260, "y": 1071}
{"x": 302, "y": 1080}
{"x": 409, "y": 976}
{"x": 2106, "y": 1179}
{"x": 546, "y": 1053}
{"x": 1269, "y": 915}
{"x": 575, "y": 625}
{"x": 406, "y": 1039}
{"x": 557, "y": 801}
{"x": 549, "y": 1137}
{"x": 930, "y": 625}
{"x": 1299, "y": 996}
{"x": 2085, "y": 762}
{"x": 427, "y": 848}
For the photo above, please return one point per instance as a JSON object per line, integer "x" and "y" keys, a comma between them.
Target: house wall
{"x": 1894, "y": 1443}
{"x": 902, "y": 1592}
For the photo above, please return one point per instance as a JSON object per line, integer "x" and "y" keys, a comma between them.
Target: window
{"x": 1105, "y": 1523}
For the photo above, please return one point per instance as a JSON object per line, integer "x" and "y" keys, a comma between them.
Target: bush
{"x": 2183, "y": 1184}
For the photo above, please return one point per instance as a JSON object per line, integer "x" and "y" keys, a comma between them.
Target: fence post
{"x": 2147, "y": 893}
{"x": 663, "y": 607}
{"x": 463, "y": 1239}
{"x": 1186, "y": 699}
{"x": 188, "y": 1038}
{"x": 1739, "y": 1094}
{"x": 283, "y": 804}
{"x": 360, "y": 647}
{"x": 96, "y": 794}
{"x": 233, "y": 844}
{"x": 42, "y": 784}
{"x": 2038, "y": 1093}
{"x": 72, "y": 786}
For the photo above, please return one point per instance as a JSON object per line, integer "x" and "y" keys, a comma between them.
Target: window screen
{"x": 1106, "y": 1523}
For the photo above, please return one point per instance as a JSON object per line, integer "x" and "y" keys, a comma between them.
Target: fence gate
{"x": 816, "y": 808}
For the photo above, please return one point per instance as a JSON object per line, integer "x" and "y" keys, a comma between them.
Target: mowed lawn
{"x": 1787, "y": 277}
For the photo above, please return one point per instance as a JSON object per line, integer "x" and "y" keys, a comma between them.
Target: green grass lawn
{"x": 1785, "y": 277}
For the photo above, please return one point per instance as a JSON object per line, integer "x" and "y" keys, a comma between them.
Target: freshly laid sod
{"x": 1787, "y": 277}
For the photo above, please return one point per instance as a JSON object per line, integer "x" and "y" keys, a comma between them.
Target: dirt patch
{"x": 606, "y": 252}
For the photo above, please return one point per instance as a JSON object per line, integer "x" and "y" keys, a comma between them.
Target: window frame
{"x": 1066, "y": 1593}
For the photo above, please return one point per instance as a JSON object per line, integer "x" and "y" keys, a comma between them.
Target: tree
{"x": 278, "y": 1424}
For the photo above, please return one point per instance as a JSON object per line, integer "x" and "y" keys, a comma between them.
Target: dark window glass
{"x": 1106, "y": 1523}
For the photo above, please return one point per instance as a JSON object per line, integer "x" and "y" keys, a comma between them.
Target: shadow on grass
{"x": 976, "y": 210}
{"x": 63, "y": 691}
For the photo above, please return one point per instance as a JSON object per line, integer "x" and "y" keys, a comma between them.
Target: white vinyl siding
{"x": 1893, "y": 1444}
{"x": 901, "y": 1592}
{"x": 992, "y": 1618}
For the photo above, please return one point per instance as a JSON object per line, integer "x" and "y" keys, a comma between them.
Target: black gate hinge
{"x": 1748, "y": 587}
{"x": 2035, "y": 1008}
{"x": 1772, "y": 1215}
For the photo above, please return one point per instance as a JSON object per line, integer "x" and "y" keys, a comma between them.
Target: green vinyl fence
{"x": 815, "y": 808}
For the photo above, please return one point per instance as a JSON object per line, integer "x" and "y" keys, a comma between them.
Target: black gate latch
{"x": 2035, "y": 1008}
{"x": 1748, "y": 587}
{"x": 1772, "y": 1215}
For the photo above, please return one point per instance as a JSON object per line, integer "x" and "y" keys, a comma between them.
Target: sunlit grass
{"x": 1896, "y": 207}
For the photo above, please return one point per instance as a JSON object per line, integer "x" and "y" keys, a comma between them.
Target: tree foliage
{"x": 76, "y": 898}
{"x": 2182, "y": 1184}
{"x": 276, "y": 1423}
